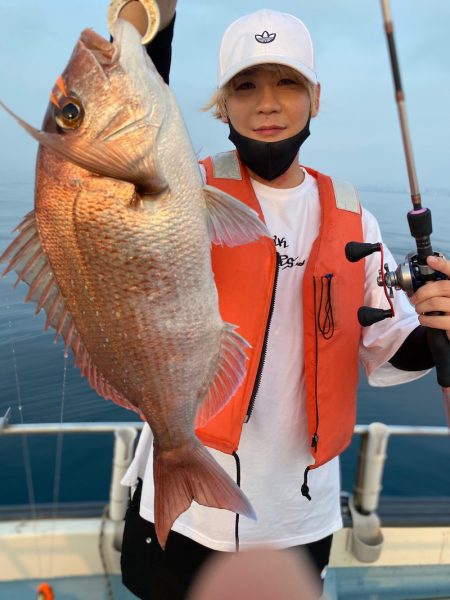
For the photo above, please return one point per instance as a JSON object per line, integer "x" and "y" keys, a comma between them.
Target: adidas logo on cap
{"x": 265, "y": 38}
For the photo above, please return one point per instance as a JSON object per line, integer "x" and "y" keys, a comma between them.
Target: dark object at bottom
{"x": 155, "y": 574}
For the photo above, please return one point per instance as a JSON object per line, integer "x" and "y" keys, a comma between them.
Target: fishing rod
{"x": 414, "y": 272}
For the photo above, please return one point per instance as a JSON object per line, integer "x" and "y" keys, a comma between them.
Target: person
{"x": 295, "y": 299}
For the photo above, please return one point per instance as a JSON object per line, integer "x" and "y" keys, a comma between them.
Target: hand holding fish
{"x": 148, "y": 16}
{"x": 435, "y": 297}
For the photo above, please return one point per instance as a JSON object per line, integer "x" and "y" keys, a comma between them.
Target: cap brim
{"x": 268, "y": 59}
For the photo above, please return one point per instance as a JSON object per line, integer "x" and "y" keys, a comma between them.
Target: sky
{"x": 356, "y": 135}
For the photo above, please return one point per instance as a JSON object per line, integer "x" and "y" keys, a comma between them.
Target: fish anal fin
{"x": 97, "y": 381}
{"x": 228, "y": 377}
{"x": 189, "y": 473}
{"x": 230, "y": 221}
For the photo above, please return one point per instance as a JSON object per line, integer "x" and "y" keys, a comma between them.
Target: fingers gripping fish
{"x": 117, "y": 252}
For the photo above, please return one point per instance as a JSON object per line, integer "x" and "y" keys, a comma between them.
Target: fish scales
{"x": 124, "y": 227}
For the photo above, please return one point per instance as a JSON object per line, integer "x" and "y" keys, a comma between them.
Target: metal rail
{"x": 407, "y": 430}
{"x": 111, "y": 426}
{"x": 50, "y": 428}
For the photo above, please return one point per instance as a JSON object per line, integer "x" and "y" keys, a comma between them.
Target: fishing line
{"x": 101, "y": 542}
{"x": 25, "y": 448}
{"x": 58, "y": 468}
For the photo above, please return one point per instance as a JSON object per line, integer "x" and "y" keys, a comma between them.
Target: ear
{"x": 316, "y": 106}
{"x": 224, "y": 118}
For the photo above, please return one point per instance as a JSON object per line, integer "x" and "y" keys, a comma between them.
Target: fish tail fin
{"x": 191, "y": 473}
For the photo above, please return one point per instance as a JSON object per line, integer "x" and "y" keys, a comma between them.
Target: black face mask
{"x": 269, "y": 160}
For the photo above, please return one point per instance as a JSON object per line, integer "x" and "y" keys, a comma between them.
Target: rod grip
{"x": 440, "y": 350}
{"x": 420, "y": 224}
{"x": 421, "y": 227}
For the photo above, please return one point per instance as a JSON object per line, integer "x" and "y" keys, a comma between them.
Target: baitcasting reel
{"x": 409, "y": 275}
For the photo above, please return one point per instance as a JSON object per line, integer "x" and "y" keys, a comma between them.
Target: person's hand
{"x": 135, "y": 12}
{"x": 148, "y": 16}
{"x": 435, "y": 296}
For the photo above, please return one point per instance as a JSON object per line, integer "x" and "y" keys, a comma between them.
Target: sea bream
{"x": 117, "y": 252}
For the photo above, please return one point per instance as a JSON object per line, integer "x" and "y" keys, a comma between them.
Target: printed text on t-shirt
{"x": 284, "y": 260}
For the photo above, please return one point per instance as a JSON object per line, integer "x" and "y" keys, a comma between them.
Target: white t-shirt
{"x": 274, "y": 449}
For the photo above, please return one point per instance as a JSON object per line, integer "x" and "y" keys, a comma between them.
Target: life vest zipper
{"x": 315, "y": 436}
{"x": 262, "y": 357}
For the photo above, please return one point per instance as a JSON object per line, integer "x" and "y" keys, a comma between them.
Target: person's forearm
{"x": 414, "y": 354}
{"x": 135, "y": 13}
{"x": 166, "y": 10}
{"x": 160, "y": 50}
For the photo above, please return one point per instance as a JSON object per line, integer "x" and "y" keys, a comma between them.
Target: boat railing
{"x": 366, "y": 538}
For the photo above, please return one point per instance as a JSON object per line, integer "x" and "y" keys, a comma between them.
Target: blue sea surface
{"x": 35, "y": 376}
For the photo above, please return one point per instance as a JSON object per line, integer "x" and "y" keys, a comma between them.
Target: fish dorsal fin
{"x": 27, "y": 258}
{"x": 228, "y": 377}
{"x": 230, "y": 221}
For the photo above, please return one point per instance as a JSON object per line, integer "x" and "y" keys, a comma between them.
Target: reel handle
{"x": 355, "y": 251}
{"x": 368, "y": 316}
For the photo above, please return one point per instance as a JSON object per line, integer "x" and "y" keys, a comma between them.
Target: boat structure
{"x": 388, "y": 549}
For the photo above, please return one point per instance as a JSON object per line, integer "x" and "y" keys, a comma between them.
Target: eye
{"x": 70, "y": 114}
{"x": 244, "y": 85}
{"x": 287, "y": 81}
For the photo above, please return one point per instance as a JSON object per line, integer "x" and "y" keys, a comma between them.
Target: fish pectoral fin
{"x": 230, "y": 221}
{"x": 228, "y": 377}
{"x": 190, "y": 473}
{"x": 26, "y": 256}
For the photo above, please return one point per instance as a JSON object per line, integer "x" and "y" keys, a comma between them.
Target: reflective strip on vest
{"x": 226, "y": 166}
{"x": 346, "y": 196}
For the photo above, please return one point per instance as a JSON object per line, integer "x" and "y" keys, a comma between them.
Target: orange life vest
{"x": 245, "y": 277}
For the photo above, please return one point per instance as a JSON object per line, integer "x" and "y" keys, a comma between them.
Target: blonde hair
{"x": 218, "y": 101}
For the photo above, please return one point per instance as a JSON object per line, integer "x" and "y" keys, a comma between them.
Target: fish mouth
{"x": 106, "y": 53}
{"x": 100, "y": 156}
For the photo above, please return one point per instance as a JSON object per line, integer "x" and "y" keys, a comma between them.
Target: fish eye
{"x": 70, "y": 114}
{"x": 70, "y": 111}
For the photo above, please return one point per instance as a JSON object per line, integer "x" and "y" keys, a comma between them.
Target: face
{"x": 268, "y": 105}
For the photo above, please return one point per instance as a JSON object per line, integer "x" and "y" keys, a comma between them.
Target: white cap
{"x": 266, "y": 36}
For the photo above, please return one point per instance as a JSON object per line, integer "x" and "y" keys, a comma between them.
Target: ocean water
{"x": 39, "y": 385}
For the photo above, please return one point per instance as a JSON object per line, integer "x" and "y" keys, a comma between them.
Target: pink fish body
{"x": 117, "y": 252}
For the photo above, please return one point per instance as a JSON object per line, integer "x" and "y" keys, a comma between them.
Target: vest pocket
{"x": 326, "y": 308}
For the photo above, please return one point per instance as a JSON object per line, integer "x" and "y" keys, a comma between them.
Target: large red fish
{"x": 117, "y": 252}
